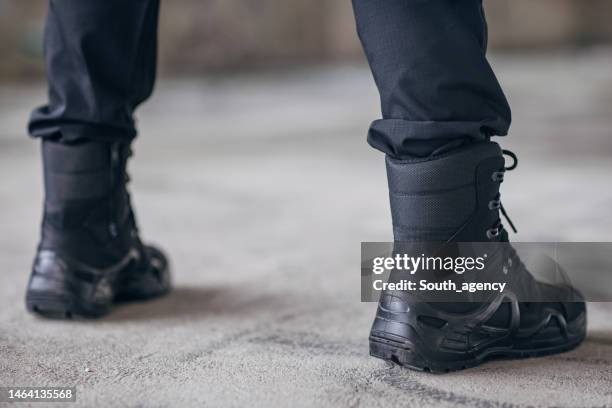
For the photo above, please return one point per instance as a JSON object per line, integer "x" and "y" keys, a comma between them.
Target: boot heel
{"x": 54, "y": 291}
{"x": 383, "y": 350}
{"x": 403, "y": 356}
{"x": 62, "y": 307}
{"x": 396, "y": 353}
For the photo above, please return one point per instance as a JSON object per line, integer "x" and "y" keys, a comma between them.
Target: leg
{"x": 441, "y": 103}
{"x": 101, "y": 66}
{"x": 101, "y": 61}
{"x": 436, "y": 87}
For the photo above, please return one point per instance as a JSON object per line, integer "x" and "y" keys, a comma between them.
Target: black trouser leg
{"x": 101, "y": 63}
{"x": 436, "y": 87}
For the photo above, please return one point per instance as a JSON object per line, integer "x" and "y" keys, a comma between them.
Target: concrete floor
{"x": 261, "y": 188}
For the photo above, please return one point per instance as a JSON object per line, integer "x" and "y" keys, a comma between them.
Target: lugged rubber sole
{"x": 411, "y": 358}
{"x": 64, "y": 307}
{"x": 57, "y": 291}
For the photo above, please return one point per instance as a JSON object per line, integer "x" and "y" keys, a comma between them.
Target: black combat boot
{"x": 90, "y": 255}
{"x": 454, "y": 198}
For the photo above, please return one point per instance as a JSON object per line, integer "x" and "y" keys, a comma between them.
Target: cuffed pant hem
{"x": 71, "y": 133}
{"x": 401, "y": 138}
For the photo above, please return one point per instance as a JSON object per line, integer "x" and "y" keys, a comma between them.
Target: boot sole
{"x": 70, "y": 296}
{"x": 64, "y": 307}
{"x": 410, "y": 357}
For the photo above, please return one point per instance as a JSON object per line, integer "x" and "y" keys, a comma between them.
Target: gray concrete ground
{"x": 261, "y": 188}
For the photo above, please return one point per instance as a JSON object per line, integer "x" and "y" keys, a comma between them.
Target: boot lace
{"x": 496, "y": 204}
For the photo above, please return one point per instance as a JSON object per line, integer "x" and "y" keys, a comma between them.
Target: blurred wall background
{"x": 199, "y": 36}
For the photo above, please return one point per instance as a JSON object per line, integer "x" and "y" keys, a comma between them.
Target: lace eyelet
{"x": 498, "y": 176}
{"x": 112, "y": 229}
{"x": 494, "y": 205}
{"x": 493, "y": 233}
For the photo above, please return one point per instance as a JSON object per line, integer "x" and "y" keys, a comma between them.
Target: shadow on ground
{"x": 198, "y": 303}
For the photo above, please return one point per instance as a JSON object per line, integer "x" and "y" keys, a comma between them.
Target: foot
{"x": 62, "y": 287}
{"x": 90, "y": 255}
{"x": 447, "y": 336}
{"x": 455, "y": 198}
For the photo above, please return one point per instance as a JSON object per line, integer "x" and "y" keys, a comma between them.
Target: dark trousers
{"x": 101, "y": 62}
{"x": 437, "y": 89}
